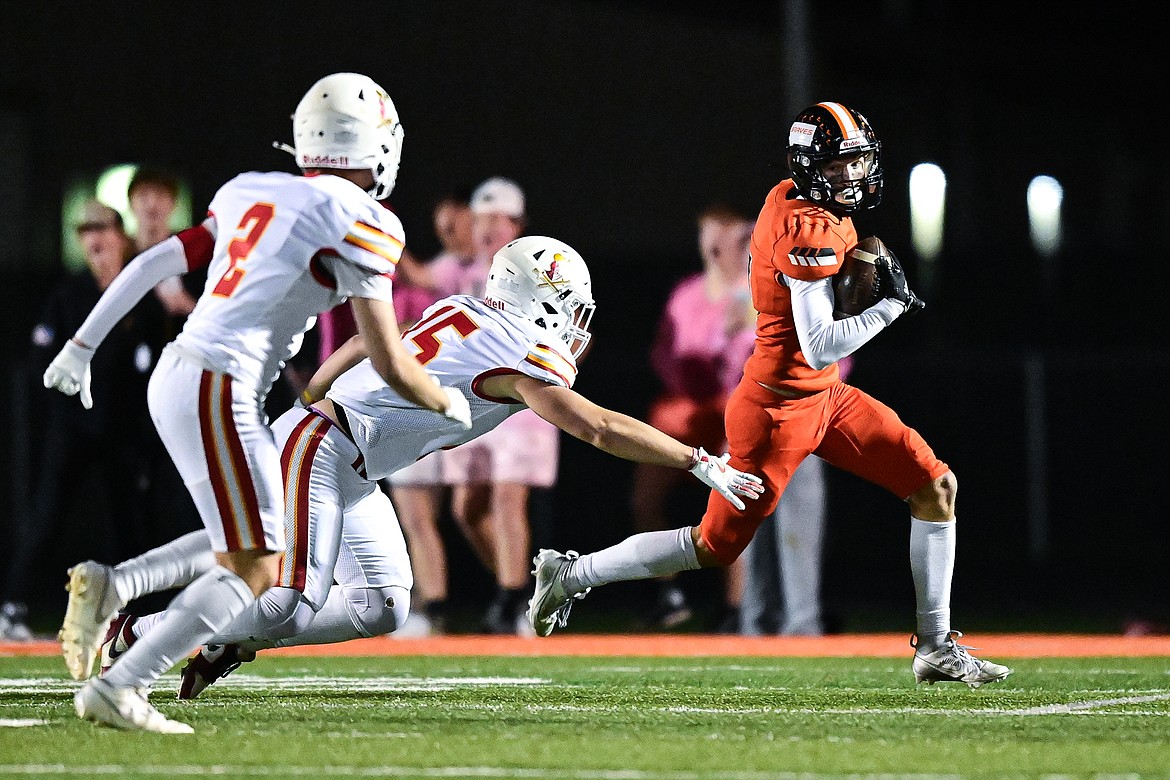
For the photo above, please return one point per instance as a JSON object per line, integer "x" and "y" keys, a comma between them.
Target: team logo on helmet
{"x": 552, "y": 277}
{"x": 383, "y": 101}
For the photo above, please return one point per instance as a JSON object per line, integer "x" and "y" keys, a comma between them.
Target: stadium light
{"x": 928, "y": 188}
{"x": 111, "y": 190}
{"x": 1045, "y": 196}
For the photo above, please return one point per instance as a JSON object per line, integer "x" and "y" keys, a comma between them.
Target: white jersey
{"x": 287, "y": 248}
{"x": 462, "y": 341}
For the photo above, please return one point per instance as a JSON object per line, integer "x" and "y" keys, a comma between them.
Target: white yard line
{"x": 436, "y": 772}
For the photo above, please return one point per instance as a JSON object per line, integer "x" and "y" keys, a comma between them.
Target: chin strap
{"x": 284, "y": 148}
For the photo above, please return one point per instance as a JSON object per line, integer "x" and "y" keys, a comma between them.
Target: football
{"x": 855, "y": 286}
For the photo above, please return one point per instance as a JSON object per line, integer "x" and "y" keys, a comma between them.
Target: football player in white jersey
{"x": 516, "y": 348}
{"x": 280, "y": 249}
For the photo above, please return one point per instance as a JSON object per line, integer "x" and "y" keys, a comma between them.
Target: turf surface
{"x": 610, "y": 718}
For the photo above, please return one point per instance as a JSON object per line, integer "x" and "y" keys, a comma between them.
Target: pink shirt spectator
{"x": 334, "y": 328}
{"x": 456, "y": 275}
{"x": 410, "y": 301}
{"x": 691, "y": 352}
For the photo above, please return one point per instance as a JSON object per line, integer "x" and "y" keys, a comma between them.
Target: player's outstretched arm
{"x": 69, "y": 372}
{"x": 624, "y": 436}
{"x": 378, "y": 325}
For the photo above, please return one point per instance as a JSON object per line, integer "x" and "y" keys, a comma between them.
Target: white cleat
{"x": 952, "y": 662}
{"x": 123, "y": 708}
{"x": 93, "y": 602}
{"x": 550, "y": 604}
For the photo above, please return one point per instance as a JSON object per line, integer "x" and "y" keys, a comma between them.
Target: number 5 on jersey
{"x": 251, "y": 228}
{"x": 425, "y": 334}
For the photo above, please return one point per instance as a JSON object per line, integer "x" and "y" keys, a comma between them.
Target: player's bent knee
{"x": 376, "y": 611}
{"x": 286, "y": 612}
{"x": 936, "y": 500}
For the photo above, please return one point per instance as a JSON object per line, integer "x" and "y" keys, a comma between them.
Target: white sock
{"x": 173, "y": 565}
{"x": 638, "y": 557}
{"x": 932, "y": 562}
{"x": 204, "y": 608}
{"x": 143, "y": 625}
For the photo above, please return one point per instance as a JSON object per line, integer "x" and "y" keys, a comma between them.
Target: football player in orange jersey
{"x": 791, "y": 402}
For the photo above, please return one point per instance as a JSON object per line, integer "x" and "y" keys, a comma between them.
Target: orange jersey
{"x": 801, "y": 240}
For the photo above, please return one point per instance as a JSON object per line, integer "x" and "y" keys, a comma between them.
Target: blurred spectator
{"x": 94, "y": 461}
{"x": 706, "y": 314}
{"x": 153, "y": 196}
{"x": 492, "y": 478}
{"x": 417, "y": 491}
{"x": 452, "y": 224}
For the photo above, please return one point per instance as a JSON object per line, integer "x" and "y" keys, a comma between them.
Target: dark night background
{"x": 622, "y": 120}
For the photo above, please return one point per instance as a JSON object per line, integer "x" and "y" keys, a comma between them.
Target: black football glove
{"x": 892, "y": 283}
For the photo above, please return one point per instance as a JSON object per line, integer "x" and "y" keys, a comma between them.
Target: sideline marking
{"x": 299, "y": 683}
{"x": 19, "y": 723}
{"x": 441, "y": 772}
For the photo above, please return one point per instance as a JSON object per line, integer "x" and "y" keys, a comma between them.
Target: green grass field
{"x": 608, "y": 719}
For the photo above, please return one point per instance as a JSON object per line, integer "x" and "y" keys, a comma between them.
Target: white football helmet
{"x": 547, "y": 282}
{"x": 347, "y": 121}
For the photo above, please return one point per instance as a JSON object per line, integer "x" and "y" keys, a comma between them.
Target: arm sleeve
{"x": 198, "y": 244}
{"x": 354, "y": 281}
{"x": 161, "y": 261}
{"x": 824, "y": 340}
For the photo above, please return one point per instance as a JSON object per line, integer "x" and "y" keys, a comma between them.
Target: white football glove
{"x": 717, "y": 475}
{"x": 457, "y": 408}
{"x": 69, "y": 372}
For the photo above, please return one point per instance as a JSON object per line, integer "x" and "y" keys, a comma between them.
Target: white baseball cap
{"x": 498, "y": 195}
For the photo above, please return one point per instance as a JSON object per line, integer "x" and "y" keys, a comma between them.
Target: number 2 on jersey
{"x": 424, "y": 334}
{"x": 252, "y": 225}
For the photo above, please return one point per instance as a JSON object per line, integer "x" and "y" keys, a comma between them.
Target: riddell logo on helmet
{"x": 323, "y": 159}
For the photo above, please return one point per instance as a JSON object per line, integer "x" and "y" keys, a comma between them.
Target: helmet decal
{"x": 844, "y": 119}
{"x": 552, "y": 277}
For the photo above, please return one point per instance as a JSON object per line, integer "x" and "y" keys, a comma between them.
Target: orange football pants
{"x": 769, "y": 435}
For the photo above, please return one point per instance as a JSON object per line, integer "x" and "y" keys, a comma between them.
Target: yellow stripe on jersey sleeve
{"x": 552, "y": 362}
{"x": 375, "y": 241}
